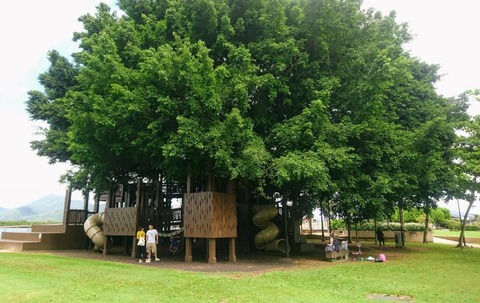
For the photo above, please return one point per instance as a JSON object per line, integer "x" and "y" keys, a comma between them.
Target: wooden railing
{"x": 77, "y": 216}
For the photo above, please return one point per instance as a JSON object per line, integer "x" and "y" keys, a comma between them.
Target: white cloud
{"x": 25, "y": 176}
{"x": 445, "y": 33}
{"x": 28, "y": 30}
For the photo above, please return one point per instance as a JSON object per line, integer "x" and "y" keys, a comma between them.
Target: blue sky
{"x": 445, "y": 33}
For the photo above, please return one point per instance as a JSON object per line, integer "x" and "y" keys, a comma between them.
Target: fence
{"x": 77, "y": 216}
{"x": 16, "y": 228}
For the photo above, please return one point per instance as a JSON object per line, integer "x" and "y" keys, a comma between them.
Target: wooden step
{"x": 15, "y": 245}
{"x": 22, "y": 236}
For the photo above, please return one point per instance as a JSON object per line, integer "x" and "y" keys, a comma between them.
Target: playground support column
{"x": 138, "y": 215}
{"x": 105, "y": 248}
{"x": 134, "y": 246}
{"x": 86, "y": 197}
{"x": 188, "y": 250}
{"x": 96, "y": 206}
{"x": 107, "y": 205}
{"x": 212, "y": 250}
{"x": 232, "y": 257}
{"x": 67, "y": 203}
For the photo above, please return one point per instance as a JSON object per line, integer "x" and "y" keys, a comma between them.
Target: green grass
{"x": 449, "y": 233}
{"x": 428, "y": 273}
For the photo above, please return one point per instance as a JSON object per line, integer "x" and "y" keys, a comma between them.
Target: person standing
{"x": 380, "y": 237}
{"x": 152, "y": 241}
{"x": 141, "y": 251}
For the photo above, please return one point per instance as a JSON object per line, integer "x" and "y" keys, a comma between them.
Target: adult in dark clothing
{"x": 380, "y": 238}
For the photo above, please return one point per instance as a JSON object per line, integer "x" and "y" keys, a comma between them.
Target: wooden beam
{"x": 212, "y": 250}
{"x": 188, "y": 249}
{"x": 66, "y": 209}
{"x": 232, "y": 257}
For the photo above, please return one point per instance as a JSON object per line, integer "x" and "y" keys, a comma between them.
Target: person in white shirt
{"x": 152, "y": 241}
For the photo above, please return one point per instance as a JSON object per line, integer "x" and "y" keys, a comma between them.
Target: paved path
{"x": 450, "y": 242}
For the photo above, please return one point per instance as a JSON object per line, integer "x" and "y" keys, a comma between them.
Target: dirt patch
{"x": 390, "y": 298}
{"x": 468, "y": 240}
{"x": 253, "y": 262}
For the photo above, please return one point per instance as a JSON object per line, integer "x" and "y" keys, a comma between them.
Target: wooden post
{"x": 96, "y": 205}
{"x": 134, "y": 246}
{"x": 212, "y": 250}
{"x": 188, "y": 241}
{"x": 188, "y": 250}
{"x": 189, "y": 182}
{"x": 210, "y": 177}
{"x": 86, "y": 197}
{"x": 66, "y": 209}
{"x": 232, "y": 257}
{"x": 139, "y": 209}
{"x": 105, "y": 246}
{"x": 159, "y": 195}
{"x": 108, "y": 204}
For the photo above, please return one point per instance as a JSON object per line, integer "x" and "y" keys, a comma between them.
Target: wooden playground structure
{"x": 207, "y": 220}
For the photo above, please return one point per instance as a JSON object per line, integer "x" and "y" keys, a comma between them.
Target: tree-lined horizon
{"x": 314, "y": 99}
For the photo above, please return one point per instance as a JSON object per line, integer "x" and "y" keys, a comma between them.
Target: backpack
{"x": 336, "y": 245}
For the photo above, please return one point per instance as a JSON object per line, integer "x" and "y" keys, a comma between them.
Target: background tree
{"x": 467, "y": 151}
{"x": 313, "y": 99}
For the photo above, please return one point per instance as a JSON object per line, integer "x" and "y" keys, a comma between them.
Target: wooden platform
{"x": 337, "y": 255}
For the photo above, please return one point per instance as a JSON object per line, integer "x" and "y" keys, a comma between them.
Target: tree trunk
{"x": 329, "y": 219}
{"x": 321, "y": 218}
{"x": 349, "y": 226}
{"x": 285, "y": 223}
{"x": 464, "y": 223}
{"x": 461, "y": 239}
{"x": 427, "y": 219}
{"x": 310, "y": 226}
{"x": 402, "y": 224}
{"x": 356, "y": 232}
{"x": 86, "y": 197}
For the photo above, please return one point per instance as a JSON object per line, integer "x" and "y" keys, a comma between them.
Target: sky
{"x": 444, "y": 33}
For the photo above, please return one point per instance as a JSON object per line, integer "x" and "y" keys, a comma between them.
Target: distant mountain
{"x": 46, "y": 209}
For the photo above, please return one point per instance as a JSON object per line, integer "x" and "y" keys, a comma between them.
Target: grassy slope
{"x": 428, "y": 273}
{"x": 448, "y": 233}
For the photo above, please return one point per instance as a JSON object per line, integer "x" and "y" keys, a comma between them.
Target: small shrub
{"x": 337, "y": 224}
{"x": 472, "y": 228}
{"x": 453, "y": 225}
{"x": 392, "y": 226}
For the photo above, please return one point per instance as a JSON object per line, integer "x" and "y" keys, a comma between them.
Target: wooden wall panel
{"x": 210, "y": 215}
{"x": 120, "y": 221}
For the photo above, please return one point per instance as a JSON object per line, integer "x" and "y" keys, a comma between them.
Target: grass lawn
{"x": 428, "y": 273}
{"x": 449, "y": 233}
{"x": 471, "y": 237}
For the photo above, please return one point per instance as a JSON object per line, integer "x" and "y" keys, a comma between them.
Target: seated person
{"x": 334, "y": 244}
{"x": 359, "y": 252}
{"x": 173, "y": 245}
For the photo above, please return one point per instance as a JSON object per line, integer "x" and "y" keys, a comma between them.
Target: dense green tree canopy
{"x": 303, "y": 97}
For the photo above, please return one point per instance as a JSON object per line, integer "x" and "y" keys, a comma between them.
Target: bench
{"x": 335, "y": 255}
